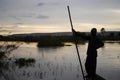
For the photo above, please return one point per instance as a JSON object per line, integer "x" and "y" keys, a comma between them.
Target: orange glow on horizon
{"x": 83, "y": 27}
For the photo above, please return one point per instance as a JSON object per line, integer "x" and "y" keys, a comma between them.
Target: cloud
{"x": 54, "y": 12}
{"x": 41, "y": 4}
{"x": 116, "y": 11}
{"x": 55, "y": 4}
{"x": 19, "y": 23}
{"x": 42, "y": 17}
{"x": 3, "y": 30}
{"x": 96, "y": 4}
{"x": 15, "y": 17}
{"x": 21, "y": 17}
{"x": 26, "y": 16}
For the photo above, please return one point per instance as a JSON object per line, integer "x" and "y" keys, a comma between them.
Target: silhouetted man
{"x": 93, "y": 45}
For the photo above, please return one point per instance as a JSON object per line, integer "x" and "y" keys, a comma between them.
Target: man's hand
{"x": 74, "y": 32}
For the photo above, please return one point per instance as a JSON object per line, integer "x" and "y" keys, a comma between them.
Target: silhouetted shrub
{"x": 49, "y": 41}
{"x": 24, "y": 62}
{"x": 2, "y": 55}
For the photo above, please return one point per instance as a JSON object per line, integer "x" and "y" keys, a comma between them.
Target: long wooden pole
{"x": 76, "y": 41}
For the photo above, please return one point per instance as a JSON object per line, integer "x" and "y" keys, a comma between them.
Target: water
{"x": 60, "y": 63}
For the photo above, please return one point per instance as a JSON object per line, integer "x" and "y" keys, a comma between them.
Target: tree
{"x": 102, "y": 31}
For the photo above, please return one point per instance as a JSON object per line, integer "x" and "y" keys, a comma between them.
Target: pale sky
{"x": 33, "y": 16}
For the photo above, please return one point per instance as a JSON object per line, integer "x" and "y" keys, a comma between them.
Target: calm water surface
{"x": 60, "y": 63}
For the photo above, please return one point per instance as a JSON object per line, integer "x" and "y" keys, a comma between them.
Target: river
{"x": 61, "y": 63}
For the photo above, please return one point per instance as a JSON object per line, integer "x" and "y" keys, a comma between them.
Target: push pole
{"x": 75, "y": 41}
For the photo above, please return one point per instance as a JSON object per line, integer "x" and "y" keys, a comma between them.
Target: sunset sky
{"x": 33, "y": 16}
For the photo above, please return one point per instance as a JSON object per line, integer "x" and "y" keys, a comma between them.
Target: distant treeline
{"x": 43, "y": 41}
{"x": 111, "y": 38}
{"x": 58, "y": 38}
{"x": 47, "y": 41}
{"x": 38, "y": 38}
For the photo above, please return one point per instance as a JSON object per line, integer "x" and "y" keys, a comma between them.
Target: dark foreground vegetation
{"x": 21, "y": 62}
{"x": 5, "y": 50}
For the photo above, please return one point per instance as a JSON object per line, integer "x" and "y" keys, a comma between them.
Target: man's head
{"x": 93, "y": 31}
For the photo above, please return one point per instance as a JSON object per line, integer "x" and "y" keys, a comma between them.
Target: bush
{"x": 49, "y": 41}
{"x": 24, "y": 62}
{"x": 2, "y": 55}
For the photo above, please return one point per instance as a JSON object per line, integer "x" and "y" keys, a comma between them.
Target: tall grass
{"x": 7, "y": 47}
{"x": 21, "y": 62}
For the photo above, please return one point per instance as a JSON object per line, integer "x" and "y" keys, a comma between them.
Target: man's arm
{"x": 79, "y": 34}
{"x": 99, "y": 43}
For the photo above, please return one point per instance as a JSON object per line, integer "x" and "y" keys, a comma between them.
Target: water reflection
{"x": 49, "y": 49}
{"x": 59, "y": 63}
